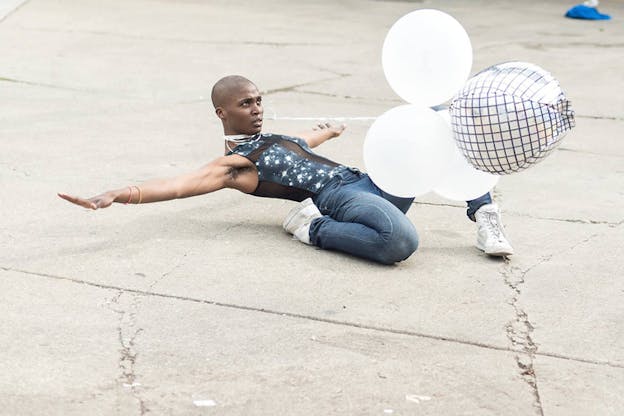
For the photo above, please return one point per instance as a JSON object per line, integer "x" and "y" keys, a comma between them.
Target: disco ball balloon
{"x": 509, "y": 117}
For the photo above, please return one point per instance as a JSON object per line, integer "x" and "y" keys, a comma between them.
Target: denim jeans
{"x": 475, "y": 204}
{"x": 361, "y": 219}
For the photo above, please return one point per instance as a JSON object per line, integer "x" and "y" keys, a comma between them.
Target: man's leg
{"x": 355, "y": 217}
{"x": 490, "y": 231}
{"x": 365, "y": 225}
{"x": 475, "y": 204}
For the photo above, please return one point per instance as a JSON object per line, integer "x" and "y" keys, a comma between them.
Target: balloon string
{"x": 274, "y": 116}
{"x": 322, "y": 118}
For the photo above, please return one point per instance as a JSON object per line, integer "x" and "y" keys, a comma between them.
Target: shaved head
{"x": 238, "y": 104}
{"x": 222, "y": 90}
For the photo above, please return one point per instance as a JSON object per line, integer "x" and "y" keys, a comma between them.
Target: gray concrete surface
{"x": 205, "y": 306}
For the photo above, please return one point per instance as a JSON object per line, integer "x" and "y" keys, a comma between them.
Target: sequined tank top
{"x": 287, "y": 167}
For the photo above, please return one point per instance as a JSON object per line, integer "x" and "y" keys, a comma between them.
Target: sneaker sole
{"x": 500, "y": 253}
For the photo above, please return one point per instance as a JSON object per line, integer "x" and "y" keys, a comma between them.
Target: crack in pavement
{"x": 167, "y": 273}
{"x": 66, "y": 88}
{"x": 127, "y": 338}
{"x": 292, "y": 88}
{"x": 40, "y": 84}
{"x": 13, "y": 10}
{"x": 350, "y": 97}
{"x": 586, "y": 152}
{"x": 439, "y": 204}
{"x": 611, "y": 224}
{"x": 519, "y": 329}
{"x": 616, "y": 118}
{"x": 127, "y": 335}
{"x": 571, "y": 220}
{"x": 289, "y": 88}
{"x": 168, "y": 39}
{"x": 310, "y": 318}
{"x": 544, "y": 45}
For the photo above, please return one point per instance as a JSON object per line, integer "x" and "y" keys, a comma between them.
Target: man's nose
{"x": 257, "y": 109}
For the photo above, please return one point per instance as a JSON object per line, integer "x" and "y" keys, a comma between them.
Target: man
{"x": 340, "y": 207}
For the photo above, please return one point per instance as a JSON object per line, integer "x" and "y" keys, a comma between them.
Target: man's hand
{"x": 321, "y": 133}
{"x": 101, "y": 201}
{"x": 328, "y": 128}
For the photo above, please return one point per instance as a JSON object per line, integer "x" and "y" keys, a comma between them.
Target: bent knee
{"x": 398, "y": 248}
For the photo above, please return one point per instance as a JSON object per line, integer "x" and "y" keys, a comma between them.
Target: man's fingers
{"x": 68, "y": 198}
{"x": 78, "y": 201}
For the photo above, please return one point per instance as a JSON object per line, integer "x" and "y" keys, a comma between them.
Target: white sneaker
{"x": 490, "y": 232}
{"x": 299, "y": 218}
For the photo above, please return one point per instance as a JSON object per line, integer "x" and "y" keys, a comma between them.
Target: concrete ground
{"x": 205, "y": 306}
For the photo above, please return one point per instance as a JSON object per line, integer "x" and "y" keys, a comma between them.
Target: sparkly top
{"x": 287, "y": 167}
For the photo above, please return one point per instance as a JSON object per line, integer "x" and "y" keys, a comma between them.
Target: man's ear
{"x": 220, "y": 113}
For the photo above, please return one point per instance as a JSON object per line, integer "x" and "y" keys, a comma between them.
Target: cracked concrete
{"x": 127, "y": 333}
{"x": 519, "y": 337}
{"x": 519, "y": 330}
{"x": 153, "y": 309}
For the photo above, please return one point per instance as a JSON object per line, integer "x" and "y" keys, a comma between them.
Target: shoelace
{"x": 493, "y": 224}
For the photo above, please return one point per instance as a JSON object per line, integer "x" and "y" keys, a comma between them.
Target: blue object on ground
{"x": 584, "y": 12}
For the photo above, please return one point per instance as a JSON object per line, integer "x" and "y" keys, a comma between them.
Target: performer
{"x": 340, "y": 207}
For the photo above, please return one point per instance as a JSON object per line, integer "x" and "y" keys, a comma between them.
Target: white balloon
{"x": 426, "y": 57}
{"x": 462, "y": 182}
{"x": 407, "y": 150}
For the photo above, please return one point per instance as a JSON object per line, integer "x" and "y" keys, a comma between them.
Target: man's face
{"x": 242, "y": 113}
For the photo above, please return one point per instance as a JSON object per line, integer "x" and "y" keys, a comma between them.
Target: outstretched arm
{"x": 321, "y": 134}
{"x": 218, "y": 174}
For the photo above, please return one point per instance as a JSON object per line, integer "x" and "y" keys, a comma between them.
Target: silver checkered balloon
{"x": 509, "y": 117}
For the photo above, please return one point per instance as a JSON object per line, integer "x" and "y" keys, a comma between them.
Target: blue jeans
{"x": 475, "y": 204}
{"x": 361, "y": 219}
